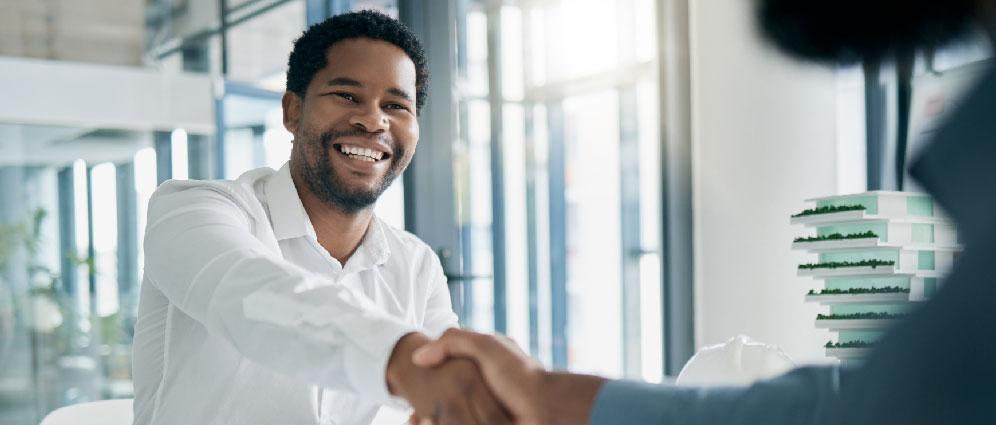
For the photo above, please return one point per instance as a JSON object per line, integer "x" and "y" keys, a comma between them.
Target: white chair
{"x": 104, "y": 412}
{"x": 737, "y": 362}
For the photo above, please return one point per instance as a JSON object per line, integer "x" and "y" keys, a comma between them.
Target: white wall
{"x": 764, "y": 132}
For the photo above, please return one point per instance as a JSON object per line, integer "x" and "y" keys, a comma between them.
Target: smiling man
{"x": 280, "y": 297}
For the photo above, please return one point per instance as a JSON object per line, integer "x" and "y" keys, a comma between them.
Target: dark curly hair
{"x": 309, "y": 54}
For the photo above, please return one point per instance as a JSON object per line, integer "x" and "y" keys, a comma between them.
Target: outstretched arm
{"x": 535, "y": 396}
{"x": 202, "y": 255}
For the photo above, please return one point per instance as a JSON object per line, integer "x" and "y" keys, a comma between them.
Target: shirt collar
{"x": 290, "y": 220}
{"x": 373, "y": 250}
{"x": 287, "y": 214}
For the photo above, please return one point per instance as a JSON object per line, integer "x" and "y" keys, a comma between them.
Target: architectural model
{"x": 879, "y": 253}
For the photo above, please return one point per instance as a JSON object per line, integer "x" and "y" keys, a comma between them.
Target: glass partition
{"x": 69, "y": 264}
{"x": 558, "y": 169}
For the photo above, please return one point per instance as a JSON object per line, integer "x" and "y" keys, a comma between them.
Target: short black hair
{"x": 310, "y": 50}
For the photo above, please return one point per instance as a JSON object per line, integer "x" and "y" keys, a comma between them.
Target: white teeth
{"x": 368, "y": 155}
{"x": 362, "y": 158}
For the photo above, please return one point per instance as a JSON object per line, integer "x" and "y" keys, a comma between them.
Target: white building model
{"x": 880, "y": 253}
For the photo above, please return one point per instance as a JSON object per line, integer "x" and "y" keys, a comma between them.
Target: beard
{"x": 847, "y": 31}
{"x": 329, "y": 186}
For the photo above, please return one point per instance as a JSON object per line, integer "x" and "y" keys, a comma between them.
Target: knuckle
{"x": 450, "y": 333}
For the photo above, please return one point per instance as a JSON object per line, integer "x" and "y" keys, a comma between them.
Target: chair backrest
{"x": 104, "y": 412}
{"x": 737, "y": 362}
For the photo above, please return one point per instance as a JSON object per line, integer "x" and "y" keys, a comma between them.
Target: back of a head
{"x": 847, "y": 31}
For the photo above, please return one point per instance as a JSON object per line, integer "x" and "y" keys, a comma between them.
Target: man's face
{"x": 355, "y": 130}
{"x": 851, "y": 30}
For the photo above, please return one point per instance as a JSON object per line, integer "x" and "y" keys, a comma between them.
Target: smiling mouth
{"x": 362, "y": 154}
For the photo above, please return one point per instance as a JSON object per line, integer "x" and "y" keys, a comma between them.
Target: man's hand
{"x": 452, "y": 393}
{"x": 532, "y": 395}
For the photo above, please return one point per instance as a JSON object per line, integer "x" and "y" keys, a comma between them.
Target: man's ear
{"x": 292, "y": 105}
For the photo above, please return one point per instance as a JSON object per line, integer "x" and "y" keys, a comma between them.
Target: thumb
{"x": 431, "y": 354}
{"x": 454, "y": 342}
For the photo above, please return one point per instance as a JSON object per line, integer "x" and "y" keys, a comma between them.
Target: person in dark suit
{"x": 937, "y": 366}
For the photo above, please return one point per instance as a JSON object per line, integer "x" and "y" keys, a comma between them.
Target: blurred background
{"x": 607, "y": 182}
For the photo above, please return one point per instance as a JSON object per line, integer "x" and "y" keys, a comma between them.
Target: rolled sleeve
{"x": 366, "y": 370}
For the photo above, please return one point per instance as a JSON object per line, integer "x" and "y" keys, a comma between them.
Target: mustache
{"x": 332, "y": 135}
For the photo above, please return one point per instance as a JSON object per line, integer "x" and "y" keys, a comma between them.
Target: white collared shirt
{"x": 245, "y": 319}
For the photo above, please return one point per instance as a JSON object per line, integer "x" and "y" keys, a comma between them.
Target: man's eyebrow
{"x": 343, "y": 81}
{"x": 401, "y": 93}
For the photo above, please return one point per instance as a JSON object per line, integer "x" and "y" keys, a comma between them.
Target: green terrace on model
{"x": 838, "y": 237}
{"x": 859, "y": 316}
{"x": 848, "y": 344}
{"x": 830, "y": 210}
{"x": 837, "y": 264}
{"x": 857, "y": 291}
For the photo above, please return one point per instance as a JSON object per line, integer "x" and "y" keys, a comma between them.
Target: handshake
{"x": 467, "y": 378}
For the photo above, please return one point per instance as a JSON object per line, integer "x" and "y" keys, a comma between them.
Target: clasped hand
{"x": 442, "y": 391}
{"x": 470, "y": 378}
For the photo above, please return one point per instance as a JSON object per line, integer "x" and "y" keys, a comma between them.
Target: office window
{"x": 254, "y": 134}
{"x": 387, "y": 7}
{"x": 105, "y": 238}
{"x": 69, "y": 265}
{"x": 257, "y": 49}
{"x": 559, "y": 180}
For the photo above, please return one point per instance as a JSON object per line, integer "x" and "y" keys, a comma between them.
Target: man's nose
{"x": 370, "y": 119}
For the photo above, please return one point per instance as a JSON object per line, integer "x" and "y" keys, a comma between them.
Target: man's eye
{"x": 346, "y": 96}
{"x": 397, "y": 106}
